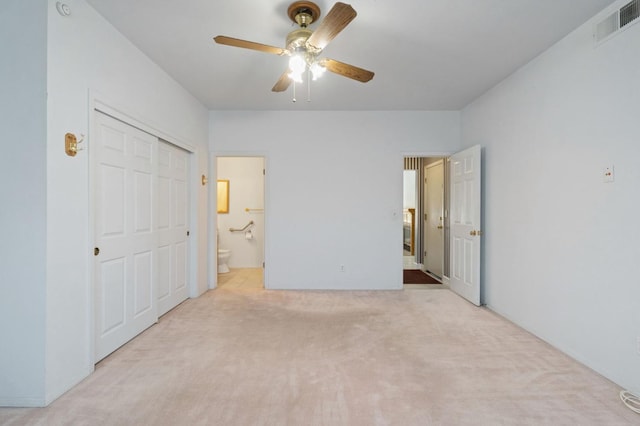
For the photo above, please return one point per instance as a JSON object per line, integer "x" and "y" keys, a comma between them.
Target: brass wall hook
{"x": 71, "y": 144}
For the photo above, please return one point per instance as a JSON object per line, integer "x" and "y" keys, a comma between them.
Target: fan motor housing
{"x": 297, "y": 38}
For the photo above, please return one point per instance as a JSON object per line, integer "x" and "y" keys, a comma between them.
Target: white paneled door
{"x": 465, "y": 224}
{"x": 125, "y": 269}
{"x": 141, "y": 214}
{"x": 173, "y": 217}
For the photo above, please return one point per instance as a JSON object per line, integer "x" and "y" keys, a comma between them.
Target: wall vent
{"x": 619, "y": 19}
{"x": 629, "y": 13}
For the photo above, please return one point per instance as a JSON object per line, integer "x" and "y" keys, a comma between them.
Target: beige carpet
{"x": 413, "y": 357}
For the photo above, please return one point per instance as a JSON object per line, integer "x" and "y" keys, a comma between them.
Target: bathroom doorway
{"x": 425, "y": 216}
{"x": 240, "y": 222}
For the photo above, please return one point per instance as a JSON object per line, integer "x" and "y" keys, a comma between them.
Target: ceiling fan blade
{"x": 283, "y": 82}
{"x": 236, "y": 42}
{"x": 336, "y": 20}
{"x": 347, "y": 70}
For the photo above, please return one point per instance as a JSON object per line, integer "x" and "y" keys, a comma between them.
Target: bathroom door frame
{"x": 213, "y": 207}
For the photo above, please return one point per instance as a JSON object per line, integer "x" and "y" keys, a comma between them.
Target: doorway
{"x": 460, "y": 188}
{"x": 240, "y": 222}
{"x": 425, "y": 244}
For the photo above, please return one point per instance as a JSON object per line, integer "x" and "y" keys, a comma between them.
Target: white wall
{"x": 88, "y": 57}
{"x": 333, "y": 189}
{"x": 246, "y": 190}
{"x": 23, "y": 186}
{"x": 561, "y": 256}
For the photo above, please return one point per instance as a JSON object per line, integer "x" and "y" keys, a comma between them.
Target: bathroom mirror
{"x": 223, "y": 196}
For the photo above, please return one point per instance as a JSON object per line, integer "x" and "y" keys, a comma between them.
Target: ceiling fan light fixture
{"x": 296, "y": 78}
{"x": 317, "y": 70}
{"x": 297, "y": 66}
{"x": 305, "y": 46}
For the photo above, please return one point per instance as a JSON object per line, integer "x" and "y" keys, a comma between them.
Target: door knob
{"x": 96, "y": 251}
{"x": 440, "y": 226}
{"x": 475, "y": 233}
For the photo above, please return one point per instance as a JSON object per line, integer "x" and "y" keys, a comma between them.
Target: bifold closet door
{"x": 173, "y": 217}
{"x": 126, "y": 261}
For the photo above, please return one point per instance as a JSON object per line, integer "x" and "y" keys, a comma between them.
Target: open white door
{"x": 465, "y": 224}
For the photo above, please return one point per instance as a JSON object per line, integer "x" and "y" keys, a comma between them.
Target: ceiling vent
{"x": 615, "y": 22}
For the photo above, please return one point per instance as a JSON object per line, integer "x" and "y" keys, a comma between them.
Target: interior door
{"x": 465, "y": 224}
{"x": 434, "y": 218}
{"x": 173, "y": 217}
{"x": 124, "y": 161}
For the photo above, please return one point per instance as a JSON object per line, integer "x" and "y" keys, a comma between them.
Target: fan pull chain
{"x": 294, "y": 93}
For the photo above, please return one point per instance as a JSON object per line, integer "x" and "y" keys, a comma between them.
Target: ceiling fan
{"x": 304, "y": 45}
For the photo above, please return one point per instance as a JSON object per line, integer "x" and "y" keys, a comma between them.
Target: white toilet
{"x": 223, "y": 259}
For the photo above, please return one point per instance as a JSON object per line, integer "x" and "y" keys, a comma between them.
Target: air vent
{"x": 629, "y": 13}
{"x": 613, "y": 23}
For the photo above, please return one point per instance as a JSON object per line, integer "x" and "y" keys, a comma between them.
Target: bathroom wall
{"x": 246, "y": 190}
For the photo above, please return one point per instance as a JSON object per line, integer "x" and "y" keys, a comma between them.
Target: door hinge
{"x": 263, "y": 265}
{"x": 264, "y": 172}
{"x": 187, "y": 233}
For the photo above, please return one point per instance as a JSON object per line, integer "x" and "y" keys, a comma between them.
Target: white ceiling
{"x": 426, "y": 54}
